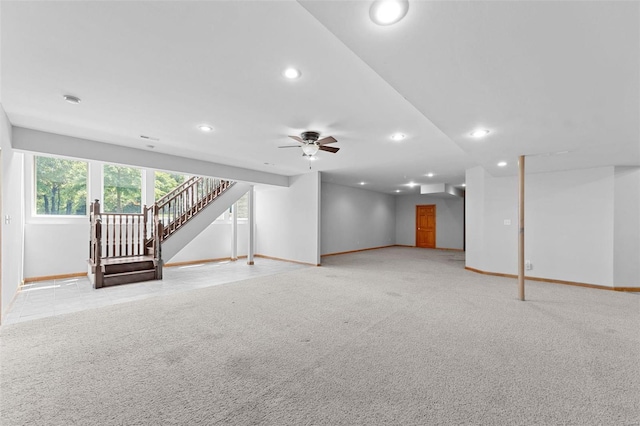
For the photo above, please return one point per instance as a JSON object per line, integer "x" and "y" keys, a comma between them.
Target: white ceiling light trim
{"x": 480, "y": 133}
{"x": 398, "y": 136}
{"x": 388, "y": 12}
{"x": 502, "y": 164}
{"x": 205, "y": 128}
{"x": 292, "y": 73}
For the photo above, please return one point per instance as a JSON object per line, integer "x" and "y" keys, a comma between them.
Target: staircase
{"x": 127, "y": 248}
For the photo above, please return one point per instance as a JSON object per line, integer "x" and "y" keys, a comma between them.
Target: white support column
{"x": 521, "y": 227}
{"x": 252, "y": 223}
{"x": 95, "y": 182}
{"x": 148, "y": 187}
{"x": 234, "y": 232}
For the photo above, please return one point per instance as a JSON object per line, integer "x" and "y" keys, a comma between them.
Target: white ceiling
{"x": 544, "y": 77}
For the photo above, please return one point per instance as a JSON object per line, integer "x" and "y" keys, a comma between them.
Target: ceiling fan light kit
{"x": 310, "y": 149}
{"x": 311, "y": 143}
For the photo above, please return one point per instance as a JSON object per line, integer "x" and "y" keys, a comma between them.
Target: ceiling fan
{"x": 311, "y": 143}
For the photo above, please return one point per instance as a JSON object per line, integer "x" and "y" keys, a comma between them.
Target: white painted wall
{"x": 288, "y": 220}
{"x": 626, "y": 227}
{"x": 12, "y": 233}
{"x": 569, "y": 224}
{"x": 56, "y": 247}
{"x": 449, "y": 219}
{"x": 500, "y": 204}
{"x": 474, "y": 217}
{"x": 355, "y": 219}
{"x": 213, "y": 243}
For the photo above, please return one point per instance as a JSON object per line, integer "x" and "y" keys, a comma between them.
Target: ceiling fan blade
{"x": 327, "y": 140}
{"x": 289, "y": 146}
{"x": 297, "y": 138}
{"x": 329, "y": 149}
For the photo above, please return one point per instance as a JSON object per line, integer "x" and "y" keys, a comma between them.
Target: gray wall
{"x": 449, "y": 219}
{"x": 626, "y": 227}
{"x": 287, "y": 219}
{"x": 13, "y": 206}
{"x": 355, "y": 219}
{"x": 569, "y": 218}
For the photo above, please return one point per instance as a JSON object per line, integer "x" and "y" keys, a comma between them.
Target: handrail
{"x": 176, "y": 210}
{"x": 178, "y": 189}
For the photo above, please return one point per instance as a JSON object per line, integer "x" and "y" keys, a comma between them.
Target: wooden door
{"x": 426, "y": 226}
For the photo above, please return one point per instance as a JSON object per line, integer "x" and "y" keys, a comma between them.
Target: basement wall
{"x": 214, "y": 243}
{"x": 569, "y": 219}
{"x": 12, "y": 205}
{"x": 288, "y": 220}
{"x": 356, "y": 219}
{"x": 626, "y": 228}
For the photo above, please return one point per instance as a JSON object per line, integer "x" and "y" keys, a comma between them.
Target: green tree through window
{"x": 167, "y": 182}
{"x": 61, "y": 186}
{"x": 122, "y": 189}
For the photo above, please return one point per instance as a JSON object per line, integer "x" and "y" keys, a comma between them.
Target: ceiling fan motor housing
{"x": 310, "y": 136}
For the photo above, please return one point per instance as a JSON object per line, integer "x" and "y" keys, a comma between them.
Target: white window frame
{"x": 30, "y": 201}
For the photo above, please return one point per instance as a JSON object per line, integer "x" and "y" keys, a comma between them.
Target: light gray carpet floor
{"x": 396, "y": 336}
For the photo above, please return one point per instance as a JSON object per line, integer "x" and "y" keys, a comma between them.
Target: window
{"x": 243, "y": 207}
{"x": 167, "y": 182}
{"x": 61, "y": 186}
{"x": 122, "y": 189}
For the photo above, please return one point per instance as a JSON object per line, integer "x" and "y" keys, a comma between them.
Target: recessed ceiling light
{"x": 429, "y": 174}
{"x": 388, "y": 12}
{"x": 397, "y": 190}
{"x": 479, "y": 133}
{"x": 205, "y": 128}
{"x": 464, "y": 185}
{"x": 72, "y": 99}
{"x": 397, "y": 136}
{"x": 411, "y": 184}
{"x": 362, "y": 183}
{"x": 292, "y": 73}
{"x": 502, "y": 164}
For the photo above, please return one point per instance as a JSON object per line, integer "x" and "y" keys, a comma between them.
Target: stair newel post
{"x": 91, "y": 217}
{"x": 94, "y": 215}
{"x": 97, "y": 230}
{"x": 145, "y": 218}
{"x": 157, "y": 240}
{"x": 96, "y": 207}
{"x": 159, "y": 251}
